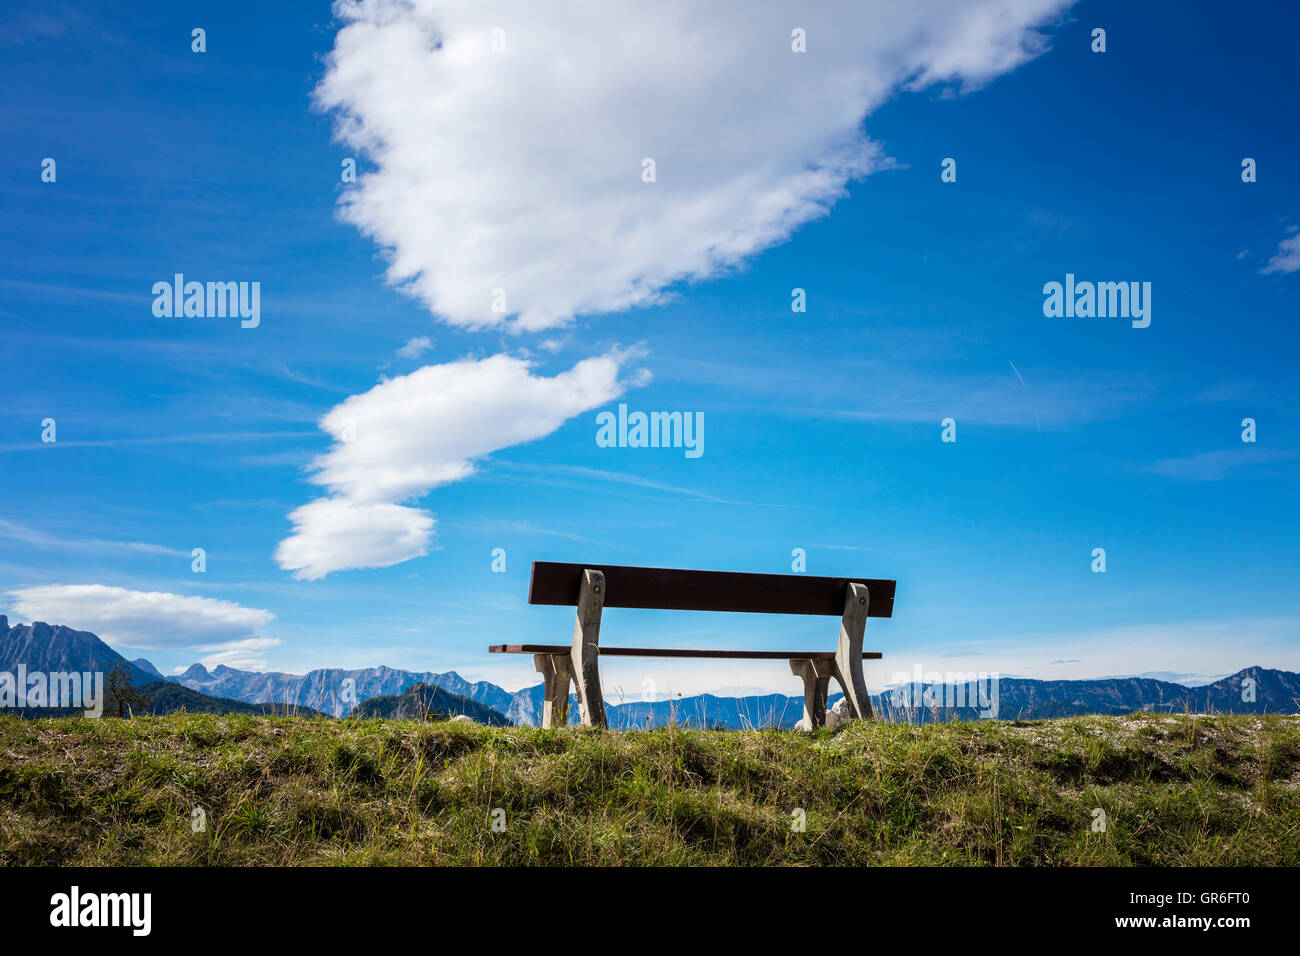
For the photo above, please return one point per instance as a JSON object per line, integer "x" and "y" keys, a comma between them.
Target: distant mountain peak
{"x": 57, "y": 648}
{"x": 146, "y": 665}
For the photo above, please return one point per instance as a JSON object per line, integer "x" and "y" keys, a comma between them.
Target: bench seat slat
{"x": 555, "y": 582}
{"x": 676, "y": 652}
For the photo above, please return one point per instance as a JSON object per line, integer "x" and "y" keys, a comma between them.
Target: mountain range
{"x": 424, "y": 702}
{"x": 339, "y": 691}
{"x": 54, "y": 649}
{"x": 329, "y": 691}
{"x": 1273, "y": 691}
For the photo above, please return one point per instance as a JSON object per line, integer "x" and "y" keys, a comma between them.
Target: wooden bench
{"x": 592, "y": 588}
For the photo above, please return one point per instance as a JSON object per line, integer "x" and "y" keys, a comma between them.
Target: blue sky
{"x": 822, "y": 428}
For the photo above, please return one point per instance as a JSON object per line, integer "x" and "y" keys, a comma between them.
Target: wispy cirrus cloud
{"x": 31, "y": 23}
{"x": 1046, "y": 400}
{"x": 415, "y": 347}
{"x": 44, "y": 539}
{"x": 1219, "y": 464}
{"x": 197, "y": 438}
{"x": 541, "y": 475}
{"x": 502, "y": 526}
{"x": 1287, "y": 257}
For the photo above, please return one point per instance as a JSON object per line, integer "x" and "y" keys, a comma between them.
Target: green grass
{"x": 1176, "y": 790}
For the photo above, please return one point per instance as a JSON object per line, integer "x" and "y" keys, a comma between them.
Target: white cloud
{"x": 245, "y": 655}
{"x": 1287, "y": 257}
{"x": 521, "y": 169}
{"x": 1203, "y": 647}
{"x": 415, "y": 347}
{"x": 1199, "y": 646}
{"x": 42, "y": 539}
{"x": 143, "y": 619}
{"x": 1220, "y": 464}
{"x": 410, "y": 434}
{"x": 332, "y": 534}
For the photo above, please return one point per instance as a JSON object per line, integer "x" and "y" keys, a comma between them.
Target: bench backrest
{"x": 671, "y": 589}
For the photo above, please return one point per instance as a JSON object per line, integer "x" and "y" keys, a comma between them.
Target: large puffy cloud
{"x": 520, "y": 169}
{"x": 146, "y": 619}
{"x": 331, "y": 534}
{"x": 411, "y": 434}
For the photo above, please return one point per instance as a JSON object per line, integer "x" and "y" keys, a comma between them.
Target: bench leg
{"x": 557, "y": 676}
{"x": 848, "y": 655}
{"x": 816, "y": 680}
{"x": 586, "y": 649}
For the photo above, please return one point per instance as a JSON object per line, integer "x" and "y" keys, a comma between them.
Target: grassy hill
{"x": 1175, "y": 789}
